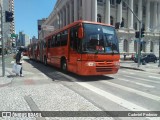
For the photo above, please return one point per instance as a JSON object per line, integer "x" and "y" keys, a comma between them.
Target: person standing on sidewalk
{"x": 19, "y": 57}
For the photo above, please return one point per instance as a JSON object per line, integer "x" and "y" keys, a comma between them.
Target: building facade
{"x": 23, "y": 39}
{"x": 8, "y": 27}
{"x": 109, "y": 12}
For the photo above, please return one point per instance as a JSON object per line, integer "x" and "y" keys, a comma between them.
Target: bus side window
{"x": 49, "y": 43}
{"x": 58, "y": 40}
{"x": 53, "y": 42}
{"x": 45, "y": 45}
{"x": 74, "y": 38}
{"x": 64, "y": 37}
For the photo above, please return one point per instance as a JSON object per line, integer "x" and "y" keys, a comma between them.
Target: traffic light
{"x": 141, "y": 46}
{"x": 117, "y": 25}
{"x": 8, "y": 16}
{"x": 142, "y": 32}
{"x": 137, "y": 34}
{"x": 118, "y": 1}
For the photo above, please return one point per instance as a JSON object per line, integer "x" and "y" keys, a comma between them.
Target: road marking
{"x": 113, "y": 98}
{"x": 141, "y": 79}
{"x": 154, "y": 77}
{"x": 122, "y": 102}
{"x": 12, "y": 62}
{"x": 144, "y": 94}
{"x": 144, "y": 85}
{"x": 144, "y": 72}
{"x": 128, "y": 72}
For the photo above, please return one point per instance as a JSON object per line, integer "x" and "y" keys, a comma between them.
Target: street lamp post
{"x": 3, "y": 59}
{"x": 140, "y": 26}
{"x": 159, "y": 50}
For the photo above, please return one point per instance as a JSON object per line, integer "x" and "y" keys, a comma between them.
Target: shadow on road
{"x": 56, "y": 74}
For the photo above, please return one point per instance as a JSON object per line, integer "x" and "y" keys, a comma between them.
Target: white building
{"x": 8, "y": 27}
{"x": 109, "y": 12}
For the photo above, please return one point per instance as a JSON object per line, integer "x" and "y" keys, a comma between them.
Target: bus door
{"x": 73, "y": 50}
{"x": 49, "y": 51}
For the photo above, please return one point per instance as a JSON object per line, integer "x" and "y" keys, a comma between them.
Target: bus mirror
{"x": 80, "y": 33}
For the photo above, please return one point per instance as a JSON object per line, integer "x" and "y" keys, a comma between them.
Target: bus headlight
{"x": 117, "y": 63}
{"x": 90, "y": 64}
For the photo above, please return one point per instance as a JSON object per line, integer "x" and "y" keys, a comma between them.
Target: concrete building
{"x": 33, "y": 40}
{"x": 23, "y": 39}
{"x": 109, "y": 12}
{"x": 8, "y": 27}
{"x": 40, "y": 22}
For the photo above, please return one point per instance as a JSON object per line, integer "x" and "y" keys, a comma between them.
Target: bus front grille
{"x": 103, "y": 69}
{"x": 104, "y": 66}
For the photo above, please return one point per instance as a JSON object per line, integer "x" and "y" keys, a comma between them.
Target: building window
{"x": 124, "y": 5}
{"x": 122, "y": 23}
{"x": 136, "y": 9}
{"x": 80, "y": 3}
{"x": 144, "y": 11}
{"x": 111, "y": 20}
{"x": 99, "y": 0}
{"x": 99, "y": 18}
{"x": 144, "y": 46}
{"x": 151, "y": 47}
{"x": 112, "y": 2}
{"x": 135, "y": 46}
{"x": 135, "y": 25}
{"x": 125, "y": 46}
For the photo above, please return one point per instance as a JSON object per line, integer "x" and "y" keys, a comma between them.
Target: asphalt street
{"x": 45, "y": 88}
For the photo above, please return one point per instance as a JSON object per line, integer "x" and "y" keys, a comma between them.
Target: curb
{"x": 132, "y": 68}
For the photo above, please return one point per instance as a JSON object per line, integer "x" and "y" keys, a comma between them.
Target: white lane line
{"x": 154, "y": 77}
{"x": 144, "y": 72}
{"x": 12, "y": 62}
{"x": 144, "y": 94}
{"x": 142, "y": 79}
{"x": 137, "y": 83}
{"x": 128, "y": 72}
{"x": 117, "y": 100}
{"x": 122, "y": 102}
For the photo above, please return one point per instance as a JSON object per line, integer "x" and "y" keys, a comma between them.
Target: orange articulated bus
{"x": 84, "y": 48}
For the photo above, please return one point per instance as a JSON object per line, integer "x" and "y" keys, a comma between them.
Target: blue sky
{"x": 27, "y": 12}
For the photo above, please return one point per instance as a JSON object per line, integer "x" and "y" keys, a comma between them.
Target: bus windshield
{"x": 99, "y": 39}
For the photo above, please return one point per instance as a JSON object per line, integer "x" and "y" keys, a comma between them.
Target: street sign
{"x": 13, "y": 35}
{"x": 48, "y": 27}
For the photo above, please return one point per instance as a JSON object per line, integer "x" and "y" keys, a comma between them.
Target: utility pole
{"x": 159, "y": 50}
{"x": 140, "y": 26}
{"x": 3, "y": 59}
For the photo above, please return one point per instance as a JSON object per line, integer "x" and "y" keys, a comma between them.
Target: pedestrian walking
{"x": 19, "y": 58}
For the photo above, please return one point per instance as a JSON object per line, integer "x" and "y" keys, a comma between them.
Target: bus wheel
{"x": 64, "y": 66}
{"x": 45, "y": 61}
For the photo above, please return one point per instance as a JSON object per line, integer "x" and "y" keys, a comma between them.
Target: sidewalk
{"x": 7, "y": 79}
{"x": 149, "y": 67}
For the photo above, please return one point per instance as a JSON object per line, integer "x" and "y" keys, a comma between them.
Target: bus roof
{"x": 75, "y": 23}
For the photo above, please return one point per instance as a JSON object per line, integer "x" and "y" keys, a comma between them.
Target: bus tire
{"x": 45, "y": 61}
{"x": 64, "y": 66}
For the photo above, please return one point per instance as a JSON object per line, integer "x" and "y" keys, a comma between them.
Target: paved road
{"x": 46, "y": 88}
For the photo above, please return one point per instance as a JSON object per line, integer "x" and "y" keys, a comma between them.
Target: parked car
{"x": 145, "y": 58}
